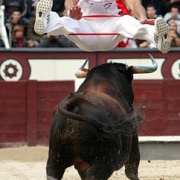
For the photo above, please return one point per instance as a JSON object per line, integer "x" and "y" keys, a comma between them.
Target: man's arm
{"x": 72, "y": 9}
{"x": 138, "y": 11}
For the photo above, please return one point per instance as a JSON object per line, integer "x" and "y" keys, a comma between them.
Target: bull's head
{"x": 82, "y": 72}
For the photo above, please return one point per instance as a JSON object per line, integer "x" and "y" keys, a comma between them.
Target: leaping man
{"x": 97, "y": 25}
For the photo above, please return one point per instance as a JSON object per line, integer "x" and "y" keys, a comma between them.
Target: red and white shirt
{"x": 102, "y": 7}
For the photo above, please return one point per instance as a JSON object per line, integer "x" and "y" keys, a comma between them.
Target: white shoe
{"x": 42, "y": 15}
{"x": 161, "y": 35}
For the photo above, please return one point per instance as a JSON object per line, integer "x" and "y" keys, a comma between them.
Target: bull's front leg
{"x": 59, "y": 157}
{"x": 53, "y": 170}
{"x": 55, "y": 165}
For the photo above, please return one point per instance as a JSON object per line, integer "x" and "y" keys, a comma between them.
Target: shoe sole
{"x": 42, "y": 12}
{"x": 165, "y": 46}
{"x": 162, "y": 30}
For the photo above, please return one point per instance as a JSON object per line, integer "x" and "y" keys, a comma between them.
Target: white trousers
{"x": 99, "y": 34}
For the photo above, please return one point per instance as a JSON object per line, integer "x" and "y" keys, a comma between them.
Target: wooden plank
{"x": 49, "y": 95}
{"x": 31, "y": 113}
{"x": 12, "y": 112}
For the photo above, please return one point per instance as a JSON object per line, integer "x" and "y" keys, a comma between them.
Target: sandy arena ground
{"x": 28, "y": 163}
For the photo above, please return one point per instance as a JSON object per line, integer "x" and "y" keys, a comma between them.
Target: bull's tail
{"x": 80, "y": 109}
{"x": 127, "y": 125}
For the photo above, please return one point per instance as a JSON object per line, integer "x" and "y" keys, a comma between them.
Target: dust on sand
{"x": 29, "y": 163}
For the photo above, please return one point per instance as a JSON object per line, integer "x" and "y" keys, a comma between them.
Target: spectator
{"x": 14, "y": 5}
{"x": 174, "y": 38}
{"x": 18, "y": 37}
{"x": 173, "y": 26}
{"x": 16, "y": 19}
{"x": 55, "y": 41}
{"x": 167, "y": 4}
{"x": 174, "y": 16}
{"x": 32, "y": 36}
{"x": 30, "y": 8}
{"x": 174, "y": 35}
{"x": 58, "y": 6}
{"x": 151, "y": 12}
{"x": 157, "y": 4}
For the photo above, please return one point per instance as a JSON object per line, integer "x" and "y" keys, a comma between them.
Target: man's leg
{"x": 50, "y": 22}
{"x": 157, "y": 34}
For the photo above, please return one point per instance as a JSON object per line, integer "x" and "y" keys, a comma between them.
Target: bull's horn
{"x": 82, "y": 72}
{"x": 146, "y": 69}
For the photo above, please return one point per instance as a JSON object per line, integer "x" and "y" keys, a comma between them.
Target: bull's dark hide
{"x": 95, "y": 128}
{"x": 105, "y": 120}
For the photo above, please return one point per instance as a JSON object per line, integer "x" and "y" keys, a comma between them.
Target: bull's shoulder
{"x": 99, "y": 85}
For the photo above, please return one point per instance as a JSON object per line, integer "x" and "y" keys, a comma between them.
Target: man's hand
{"x": 75, "y": 13}
{"x": 147, "y": 21}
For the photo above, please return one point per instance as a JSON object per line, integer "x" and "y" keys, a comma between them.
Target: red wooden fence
{"x": 26, "y": 108}
{"x": 161, "y": 99}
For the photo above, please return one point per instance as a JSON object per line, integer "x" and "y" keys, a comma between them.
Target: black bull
{"x": 95, "y": 128}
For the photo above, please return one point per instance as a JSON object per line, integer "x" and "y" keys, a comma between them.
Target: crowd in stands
{"x": 20, "y": 19}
